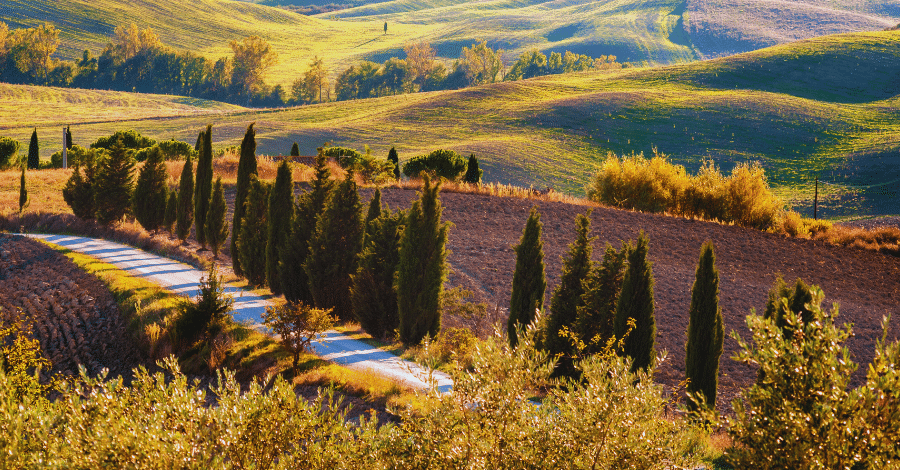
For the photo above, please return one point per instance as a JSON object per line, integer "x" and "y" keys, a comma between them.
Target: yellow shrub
{"x": 817, "y": 226}
{"x": 750, "y": 201}
{"x": 792, "y": 224}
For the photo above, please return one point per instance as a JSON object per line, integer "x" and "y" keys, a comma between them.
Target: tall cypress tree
{"x": 23, "y": 193}
{"x": 295, "y": 150}
{"x": 422, "y": 269}
{"x": 253, "y": 238}
{"x": 636, "y": 301}
{"x": 79, "y": 190}
{"x": 216, "y": 226}
{"x": 374, "y": 208}
{"x": 185, "y": 200}
{"x": 530, "y": 278}
{"x": 567, "y": 297}
{"x": 473, "y": 173}
{"x": 34, "y": 154}
{"x": 69, "y": 137}
{"x": 395, "y": 159}
{"x": 597, "y": 312}
{"x": 203, "y": 186}
{"x": 294, "y": 281}
{"x": 705, "y": 332}
{"x": 372, "y": 288}
{"x": 281, "y": 210}
{"x": 151, "y": 191}
{"x": 171, "y": 212}
{"x": 334, "y": 248}
{"x": 114, "y": 186}
{"x": 246, "y": 168}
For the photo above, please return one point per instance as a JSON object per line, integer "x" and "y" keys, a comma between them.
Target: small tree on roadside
{"x": 171, "y": 212}
{"x": 281, "y": 210}
{"x": 705, "y": 333}
{"x": 23, "y": 193}
{"x": 473, "y": 173}
{"x": 595, "y": 325}
{"x": 295, "y": 150}
{"x": 246, "y": 168}
{"x": 216, "y": 227}
{"x": 372, "y": 285}
{"x": 253, "y": 237}
{"x": 151, "y": 191}
{"x": 395, "y": 159}
{"x": 529, "y": 279}
{"x": 34, "y": 153}
{"x": 114, "y": 186}
{"x": 297, "y": 326}
{"x": 636, "y": 302}
{"x": 422, "y": 268}
{"x": 203, "y": 186}
{"x": 185, "y": 216}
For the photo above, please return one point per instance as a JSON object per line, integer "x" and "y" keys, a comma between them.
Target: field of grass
{"x": 824, "y": 107}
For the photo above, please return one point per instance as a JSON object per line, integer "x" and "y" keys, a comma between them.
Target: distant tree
{"x": 295, "y": 150}
{"x": 130, "y": 41}
{"x": 29, "y": 53}
{"x": 79, "y": 190}
{"x": 473, "y": 173}
{"x": 9, "y": 153}
{"x": 375, "y": 209}
{"x": 203, "y": 186}
{"x": 798, "y": 297}
{"x": 114, "y": 185}
{"x": 395, "y": 159}
{"x": 254, "y": 227}
{"x": 705, "y": 332}
{"x": 216, "y": 227}
{"x": 481, "y": 63}
{"x": 444, "y": 163}
{"x": 313, "y": 86}
{"x": 636, "y": 302}
{"x": 253, "y": 56}
{"x": 129, "y": 139}
{"x": 394, "y": 76}
{"x": 294, "y": 281}
{"x": 186, "y": 201}
{"x": 23, "y": 193}
{"x": 422, "y": 268}
{"x": 530, "y": 64}
{"x": 297, "y": 326}
{"x": 568, "y": 295}
{"x": 150, "y": 192}
{"x": 420, "y": 60}
{"x": 372, "y": 293}
{"x": 34, "y": 154}
{"x": 529, "y": 278}
{"x": 333, "y": 249}
{"x": 385, "y": 27}
{"x": 246, "y": 169}
{"x": 595, "y": 325}
{"x": 281, "y": 210}
{"x": 69, "y": 138}
{"x": 171, "y": 212}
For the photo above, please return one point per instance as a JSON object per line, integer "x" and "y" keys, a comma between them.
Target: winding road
{"x": 248, "y": 308}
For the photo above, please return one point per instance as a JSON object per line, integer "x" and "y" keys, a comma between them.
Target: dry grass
{"x": 884, "y": 239}
{"x": 44, "y": 188}
{"x": 499, "y": 190}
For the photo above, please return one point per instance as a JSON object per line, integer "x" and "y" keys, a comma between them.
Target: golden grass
{"x": 44, "y": 188}
{"x": 499, "y": 190}
{"x": 884, "y": 239}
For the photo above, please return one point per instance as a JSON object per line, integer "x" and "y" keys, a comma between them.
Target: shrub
{"x": 792, "y": 224}
{"x": 22, "y": 359}
{"x": 113, "y": 188}
{"x": 817, "y": 226}
{"x": 9, "y": 153}
{"x": 637, "y": 183}
{"x": 130, "y": 139}
{"x": 185, "y": 217}
{"x": 203, "y": 319}
{"x": 441, "y": 163}
{"x": 750, "y": 201}
{"x": 74, "y": 155}
{"x": 297, "y": 326}
{"x": 345, "y": 157}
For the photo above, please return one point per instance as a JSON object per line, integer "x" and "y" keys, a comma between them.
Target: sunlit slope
{"x": 555, "y": 130}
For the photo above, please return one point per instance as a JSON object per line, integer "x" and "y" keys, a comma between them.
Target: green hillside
{"x": 799, "y": 121}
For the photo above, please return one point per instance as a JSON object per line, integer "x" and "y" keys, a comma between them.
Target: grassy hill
{"x": 794, "y": 108}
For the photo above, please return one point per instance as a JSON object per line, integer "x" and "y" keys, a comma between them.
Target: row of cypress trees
{"x": 610, "y": 306}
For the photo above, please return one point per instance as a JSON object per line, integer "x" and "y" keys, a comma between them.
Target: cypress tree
{"x": 597, "y": 312}
{"x": 281, "y": 210}
{"x": 246, "y": 168}
{"x": 334, "y": 248}
{"x": 216, "y": 227}
{"x": 151, "y": 191}
{"x": 567, "y": 297}
{"x": 473, "y": 173}
{"x": 309, "y": 205}
{"x": 114, "y": 186}
{"x": 34, "y": 155}
{"x": 530, "y": 278}
{"x": 199, "y": 144}
{"x": 185, "y": 201}
{"x": 69, "y": 137}
{"x": 422, "y": 268}
{"x": 371, "y": 293}
{"x": 79, "y": 190}
{"x": 23, "y": 193}
{"x": 252, "y": 241}
{"x": 705, "y": 332}
{"x": 395, "y": 159}
{"x": 798, "y": 297}
{"x": 295, "y": 150}
{"x": 374, "y": 208}
{"x": 636, "y": 301}
{"x": 203, "y": 186}
{"x": 171, "y": 212}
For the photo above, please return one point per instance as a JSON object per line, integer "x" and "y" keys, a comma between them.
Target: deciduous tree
{"x": 253, "y": 56}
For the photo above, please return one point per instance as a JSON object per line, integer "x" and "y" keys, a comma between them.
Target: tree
{"x": 9, "y": 152}
{"x": 443, "y": 163}
{"x": 34, "y": 155}
{"x": 313, "y": 86}
{"x": 395, "y": 159}
{"x": 422, "y": 268}
{"x": 385, "y": 27}
{"x": 529, "y": 278}
{"x": 252, "y": 241}
{"x": 23, "y": 193}
{"x": 798, "y": 297}
{"x": 252, "y": 57}
{"x": 69, "y": 138}
{"x": 568, "y": 294}
{"x": 171, "y": 212}
{"x": 473, "y": 173}
{"x": 203, "y": 186}
{"x": 203, "y": 318}
{"x": 216, "y": 227}
{"x": 481, "y": 63}
{"x": 150, "y": 192}
{"x": 186, "y": 201}
{"x": 372, "y": 285}
{"x": 420, "y": 59}
{"x": 705, "y": 332}
{"x": 113, "y": 190}
{"x": 595, "y": 325}
{"x": 394, "y": 76}
{"x": 281, "y": 210}
{"x": 636, "y": 303}
{"x": 295, "y": 150}
{"x": 130, "y": 139}
{"x": 246, "y": 168}
{"x": 294, "y": 281}
{"x": 79, "y": 190}
{"x": 333, "y": 249}
{"x": 375, "y": 209}
{"x": 30, "y": 52}
{"x": 297, "y": 326}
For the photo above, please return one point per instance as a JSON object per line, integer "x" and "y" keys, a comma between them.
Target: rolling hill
{"x": 826, "y": 107}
